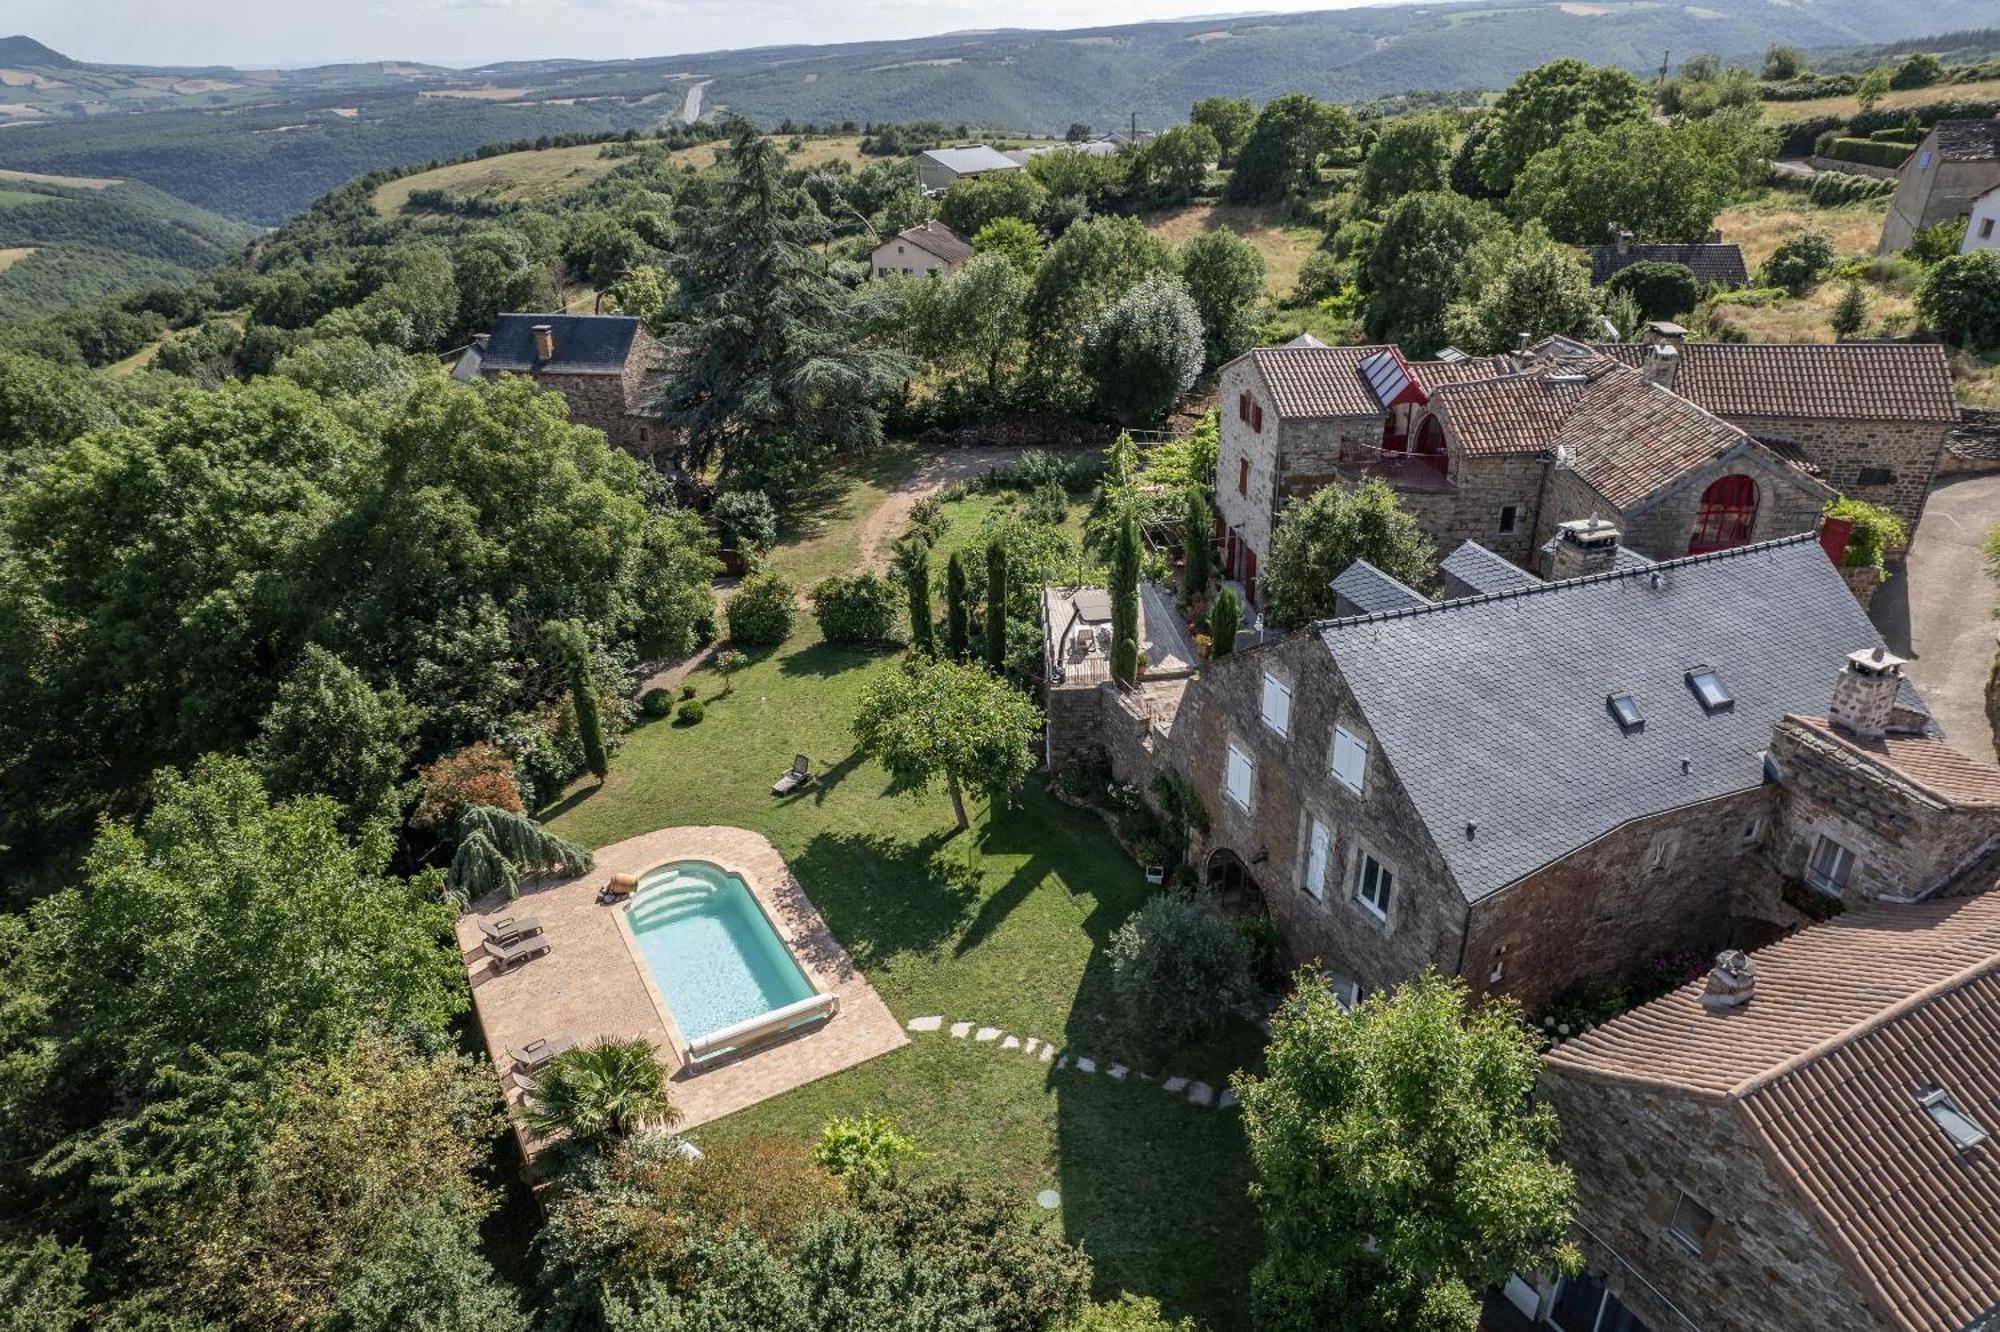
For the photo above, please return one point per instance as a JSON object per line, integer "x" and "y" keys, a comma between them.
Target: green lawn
{"x": 827, "y": 540}
{"x": 1002, "y": 925}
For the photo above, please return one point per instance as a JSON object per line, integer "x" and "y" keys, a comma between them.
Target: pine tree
{"x": 778, "y": 356}
{"x": 957, "y": 618}
{"x": 1125, "y": 583}
{"x": 1851, "y": 313}
{"x": 1223, "y": 619}
{"x": 573, "y": 646}
{"x": 996, "y": 607}
{"x": 1198, "y": 550}
{"x": 917, "y": 583}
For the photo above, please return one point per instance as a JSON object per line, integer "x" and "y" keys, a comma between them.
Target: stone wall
{"x": 1635, "y": 1151}
{"x": 600, "y": 401}
{"x": 1786, "y": 504}
{"x": 1291, "y": 783}
{"x": 1076, "y": 725}
{"x": 1908, "y": 451}
{"x": 1249, "y": 511}
{"x": 1654, "y": 886}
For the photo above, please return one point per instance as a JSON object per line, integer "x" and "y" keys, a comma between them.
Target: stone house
{"x": 1801, "y": 1142}
{"x": 932, "y": 248}
{"x": 939, "y": 168}
{"x": 1713, "y": 263}
{"x": 1958, "y": 161}
{"x": 1869, "y": 418}
{"x": 1523, "y": 788}
{"x": 603, "y": 365}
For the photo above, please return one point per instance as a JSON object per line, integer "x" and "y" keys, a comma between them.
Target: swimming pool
{"x": 716, "y": 958}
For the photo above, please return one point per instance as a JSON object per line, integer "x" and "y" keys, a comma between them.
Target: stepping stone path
{"x": 1197, "y": 1093}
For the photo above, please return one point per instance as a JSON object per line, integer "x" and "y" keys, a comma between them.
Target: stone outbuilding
{"x": 603, "y": 365}
{"x": 1958, "y": 161}
{"x": 1801, "y": 1142}
{"x": 1713, "y": 262}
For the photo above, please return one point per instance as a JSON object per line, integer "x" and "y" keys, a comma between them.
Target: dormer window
{"x": 1944, "y": 1112}
{"x": 1626, "y": 711}
{"x": 1708, "y": 687}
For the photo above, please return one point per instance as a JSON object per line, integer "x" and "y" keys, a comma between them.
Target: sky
{"x": 250, "y": 33}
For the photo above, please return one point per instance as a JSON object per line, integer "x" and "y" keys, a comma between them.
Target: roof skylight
{"x": 1626, "y": 710}
{"x": 1708, "y": 687}
{"x": 1944, "y": 1112}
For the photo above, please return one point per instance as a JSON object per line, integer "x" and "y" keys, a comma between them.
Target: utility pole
{"x": 1666, "y": 59}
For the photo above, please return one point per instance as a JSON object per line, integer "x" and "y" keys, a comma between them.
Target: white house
{"x": 937, "y": 168}
{"x": 931, "y": 248}
{"x": 1982, "y": 224}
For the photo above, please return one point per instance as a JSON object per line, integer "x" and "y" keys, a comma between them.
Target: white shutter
{"x": 1350, "y": 759}
{"x": 1239, "y": 777}
{"x": 1316, "y": 860}
{"x": 1277, "y": 705}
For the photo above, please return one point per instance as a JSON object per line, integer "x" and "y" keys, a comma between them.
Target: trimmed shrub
{"x": 1869, "y": 151}
{"x": 691, "y": 712}
{"x": 856, "y": 608}
{"x": 657, "y": 702}
{"x": 760, "y": 614}
{"x": 1180, "y": 969}
{"x": 1663, "y": 291}
{"x": 863, "y": 1145}
{"x": 687, "y": 691}
{"x": 1797, "y": 137}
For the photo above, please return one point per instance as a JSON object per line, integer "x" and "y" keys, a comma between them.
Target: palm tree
{"x": 598, "y": 1093}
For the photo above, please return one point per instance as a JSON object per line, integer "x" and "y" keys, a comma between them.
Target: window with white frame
{"x": 1372, "y": 885}
{"x": 1831, "y": 866}
{"x": 1277, "y": 704}
{"x": 1318, "y": 845}
{"x": 1350, "y": 759}
{"x": 1237, "y": 778}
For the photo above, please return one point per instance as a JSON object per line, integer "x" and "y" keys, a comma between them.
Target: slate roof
{"x": 971, "y": 160}
{"x": 1849, "y": 1021}
{"x": 584, "y": 344}
{"x": 1936, "y": 767}
{"x": 1485, "y": 572}
{"x": 1372, "y": 591}
{"x": 934, "y": 237}
{"x": 1967, "y": 140}
{"x": 1714, "y": 264}
{"x": 1854, "y": 381}
{"x": 1506, "y": 726}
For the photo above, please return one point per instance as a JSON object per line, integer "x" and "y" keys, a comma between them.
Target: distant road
{"x": 691, "y": 108}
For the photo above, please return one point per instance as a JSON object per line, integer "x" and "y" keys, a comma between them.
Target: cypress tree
{"x": 573, "y": 646}
{"x": 957, "y": 618}
{"x": 1125, "y": 583}
{"x": 1197, "y": 547}
{"x": 917, "y": 582}
{"x": 1125, "y": 662}
{"x": 996, "y": 607}
{"x": 1223, "y": 620}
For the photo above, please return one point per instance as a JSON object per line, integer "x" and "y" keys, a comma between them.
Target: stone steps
{"x": 1188, "y": 1089}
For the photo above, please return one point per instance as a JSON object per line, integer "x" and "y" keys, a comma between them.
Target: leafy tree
{"x": 336, "y": 367}
{"x": 1960, "y": 298}
{"x": 1225, "y": 617}
{"x": 42, "y": 1285}
{"x": 1705, "y": 87}
{"x": 1549, "y": 102}
{"x": 417, "y": 282}
{"x": 855, "y": 608}
{"x": 996, "y": 606}
{"x": 750, "y": 518}
{"x": 427, "y": 1271}
{"x": 760, "y": 612}
{"x": 43, "y": 406}
{"x": 1012, "y": 238}
{"x": 1281, "y": 154}
{"x": 328, "y": 732}
{"x": 1319, "y": 536}
{"x": 865, "y": 1144}
{"x": 1940, "y": 240}
{"x": 1145, "y": 350}
{"x": 224, "y": 921}
{"x": 1919, "y": 69}
{"x": 936, "y": 721}
{"x": 1197, "y": 547}
{"x": 1538, "y": 288}
{"x": 1227, "y": 118}
{"x": 1799, "y": 262}
{"x": 1174, "y": 166}
{"x": 1874, "y": 86}
{"x": 916, "y": 562}
{"x": 495, "y": 271}
{"x": 777, "y": 357}
{"x": 1224, "y": 275}
{"x": 1660, "y": 182}
{"x": 1417, "y": 266}
{"x": 975, "y": 319}
{"x": 1411, "y": 155}
{"x": 1784, "y": 62}
{"x": 1090, "y": 266}
{"x": 1466, "y": 177}
{"x": 496, "y": 847}
{"x": 642, "y": 291}
{"x": 727, "y": 662}
{"x": 1178, "y": 963}
{"x": 1398, "y": 1161}
{"x": 974, "y": 201}
{"x": 957, "y": 615}
{"x": 479, "y": 774}
{"x": 572, "y": 647}
{"x": 1661, "y": 290}
{"x": 1850, "y": 313}
{"x": 597, "y": 1094}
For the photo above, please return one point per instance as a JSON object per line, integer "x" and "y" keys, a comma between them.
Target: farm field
{"x": 1283, "y": 244}
{"x": 1848, "y": 106}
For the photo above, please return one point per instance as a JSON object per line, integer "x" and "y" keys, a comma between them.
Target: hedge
{"x": 1830, "y": 189}
{"x": 1891, "y": 155}
{"x": 1902, "y": 134}
{"x": 1796, "y": 138}
{"x": 1925, "y": 113}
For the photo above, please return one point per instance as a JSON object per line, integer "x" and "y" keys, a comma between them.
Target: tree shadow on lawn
{"x": 878, "y": 894}
{"x": 1042, "y": 829}
{"x": 824, "y": 659}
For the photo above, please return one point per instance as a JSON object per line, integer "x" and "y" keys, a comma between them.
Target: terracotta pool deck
{"x": 592, "y": 985}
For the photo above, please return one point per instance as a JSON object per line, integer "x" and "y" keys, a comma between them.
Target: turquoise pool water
{"x": 715, "y": 957}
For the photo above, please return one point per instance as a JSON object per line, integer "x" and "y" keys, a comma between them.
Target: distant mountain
{"x": 27, "y": 51}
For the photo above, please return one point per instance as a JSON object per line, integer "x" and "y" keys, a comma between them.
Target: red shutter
{"x": 1257, "y": 418}
{"x": 1242, "y": 406}
{"x": 1250, "y": 576}
{"x": 1243, "y": 476}
{"x": 1221, "y": 530}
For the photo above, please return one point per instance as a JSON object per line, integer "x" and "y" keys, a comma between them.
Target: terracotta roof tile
{"x": 1949, "y": 773}
{"x": 1628, "y": 438}
{"x": 1856, "y": 381}
{"x": 1512, "y": 415}
{"x": 936, "y": 238}
{"x": 1317, "y": 381}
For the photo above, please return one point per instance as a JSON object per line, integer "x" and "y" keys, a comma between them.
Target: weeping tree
{"x": 496, "y": 847}
{"x": 917, "y": 583}
{"x": 996, "y": 606}
{"x": 572, "y": 644}
{"x": 957, "y": 616}
{"x": 1199, "y": 550}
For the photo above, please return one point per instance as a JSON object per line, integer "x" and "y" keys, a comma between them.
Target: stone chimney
{"x": 545, "y": 342}
{"x": 1665, "y": 331}
{"x": 1864, "y": 694}
{"x": 1732, "y": 983}
{"x": 1715, "y": 235}
{"x": 1583, "y": 546}
{"x": 1663, "y": 359}
{"x": 1621, "y": 241}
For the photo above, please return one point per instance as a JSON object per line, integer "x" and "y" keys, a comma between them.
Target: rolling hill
{"x": 259, "y": 145}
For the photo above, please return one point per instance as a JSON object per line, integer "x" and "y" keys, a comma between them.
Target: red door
{"x": 1250, "y": 575}
{"x": 1728, "y": 509}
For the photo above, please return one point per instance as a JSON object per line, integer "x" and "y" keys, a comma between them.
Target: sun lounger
{"x": 535, "y": 1054}
{"x": 798, "y": 777}
{"x": 520, "y": 950}
{"x": 506, "y": 929}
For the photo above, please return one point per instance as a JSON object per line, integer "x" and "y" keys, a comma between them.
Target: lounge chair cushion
{"x": 520, "y": 950}
{"x": 507, "y": 929}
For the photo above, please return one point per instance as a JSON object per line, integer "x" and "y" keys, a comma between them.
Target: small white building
{"x": 937, "y": 168}
{"x": 1982, "y": 223}
{"x": 932, "y": 248}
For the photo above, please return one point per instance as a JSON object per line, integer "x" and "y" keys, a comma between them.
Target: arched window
{"x": 1430, "y": 438}
{"x": 1728, "y": 509}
